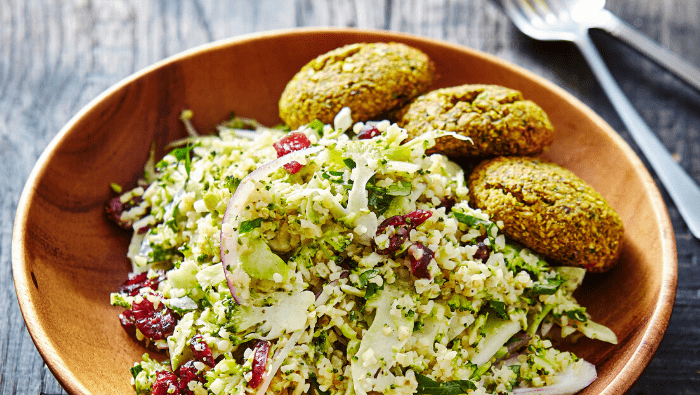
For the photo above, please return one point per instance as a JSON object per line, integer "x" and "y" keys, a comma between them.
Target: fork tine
{"x": 560, "y": 8}
{"x": 543, "y": 9}
{"x": 554, "y": 6}
{"x": 525, "y": 10}
{"x": 536, "y": 19}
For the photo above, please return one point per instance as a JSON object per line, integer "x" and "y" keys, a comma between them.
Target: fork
{"x": 595, "y": 15}
{"x": 553, "y": 20}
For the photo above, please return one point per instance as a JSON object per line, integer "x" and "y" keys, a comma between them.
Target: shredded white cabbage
{"x": 365, "y": 270}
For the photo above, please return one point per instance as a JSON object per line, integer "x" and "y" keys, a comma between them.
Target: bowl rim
{"x": 621, "y": 383}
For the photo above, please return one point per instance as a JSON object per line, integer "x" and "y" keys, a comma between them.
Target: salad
{"x": 335, "y": 259}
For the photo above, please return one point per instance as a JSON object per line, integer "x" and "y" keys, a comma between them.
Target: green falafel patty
{"x": 370, "y": 79}
{"x": 498, "y": 120}
{"x": 549, "y": 209}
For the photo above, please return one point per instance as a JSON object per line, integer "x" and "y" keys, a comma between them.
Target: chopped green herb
{"x": 418, "y": 325}
{"x": 349, "y": 163}
{"x": 183, "y": 153}
{"x": 468, "y": 220}
{"x": 548, "y": 288}
{"x": 317, "y": 127}
{"x": 428, "y": 386}
{"x": 172, "y": 224}
{"x": 515, "y": 369}
{"x": 232, "y": 183}
{"x": 500, "y": 308}
{"x": 372, "y": 289}
{"x": 160, "y": 254}
{"x": 367, "y": 275}
{"x": 472, "y": 221}
{"x": 460, "y": 303}
{"x": 578, "y": 314}
{"x": 480, "y": 371}
{"x": 247, "y": 226}
{"x": 378, "y": 199}
{"x": 333, "y": 176}
{"x": 135, "y": 370}
{"x": 353, "y": 316}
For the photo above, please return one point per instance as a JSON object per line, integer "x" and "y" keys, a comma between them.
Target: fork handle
{"x": 644, "y": 45}
{"x": 683, "y": 190}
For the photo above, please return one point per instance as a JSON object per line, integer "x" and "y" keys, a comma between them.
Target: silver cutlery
{"x": 570, "y": 20}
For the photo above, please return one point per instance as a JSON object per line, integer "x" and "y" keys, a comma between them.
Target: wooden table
{"x": 57, "y": 55}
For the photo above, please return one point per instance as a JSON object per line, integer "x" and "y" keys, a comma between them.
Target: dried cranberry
{"x": 293, "y": 167}
{"x": 165, "y": 384}
{"x": 154, "y": 324}
{"x": 397, "y": 238}
{"x": 262, "y": 349}
{"x": 188, "y": 373}
{"x": 136, "y": 281}
{"x": 447, "y": 202}
{"x": 395, "y": 221}
{"x": 403, "y": 224}
{"x": 416, "y": 217}
{"x": 293, "y": 141}
{"x": 483, "y": 252}
{"x": 368, "y": 132}
{"x": 201, "y": 350}
{"x": 114, "y": 209}
{"x": 420, "y": 257}
{"x": 128, "y": 322}
{"x": 132, "y": 285}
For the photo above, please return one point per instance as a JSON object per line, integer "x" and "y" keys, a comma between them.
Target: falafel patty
{"x": 497, "y": 119}
{"x": 548, "y": 209}
{"x": 371, "y": 79}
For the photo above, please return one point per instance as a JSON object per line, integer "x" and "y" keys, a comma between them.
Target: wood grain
{"x": 57, "y": 55}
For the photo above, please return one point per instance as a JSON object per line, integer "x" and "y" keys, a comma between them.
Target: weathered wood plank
{"x": 57, "y": 55}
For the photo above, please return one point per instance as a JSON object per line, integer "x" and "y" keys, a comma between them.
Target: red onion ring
{"x": 230, "y": 256}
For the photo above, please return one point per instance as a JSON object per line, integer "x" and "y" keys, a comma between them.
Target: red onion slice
{"x": 230, "y": 255}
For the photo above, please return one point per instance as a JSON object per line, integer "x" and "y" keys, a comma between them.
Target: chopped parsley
{"x": 578, "y": 314}
{"x": 428, "y": 386}
{"x": 247, "y": 226}
{"x": 548, "y": 288}
{"x": 232, "y": 183}
{"x": 378, "y": 199}
{"x": 500, "y": 308}
{"x": 183, "y": 153}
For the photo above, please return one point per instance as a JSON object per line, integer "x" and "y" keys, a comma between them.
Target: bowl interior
{"x": 67, "y": 257}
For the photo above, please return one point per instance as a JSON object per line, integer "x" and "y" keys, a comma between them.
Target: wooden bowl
{"x": 67, "y": 257}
